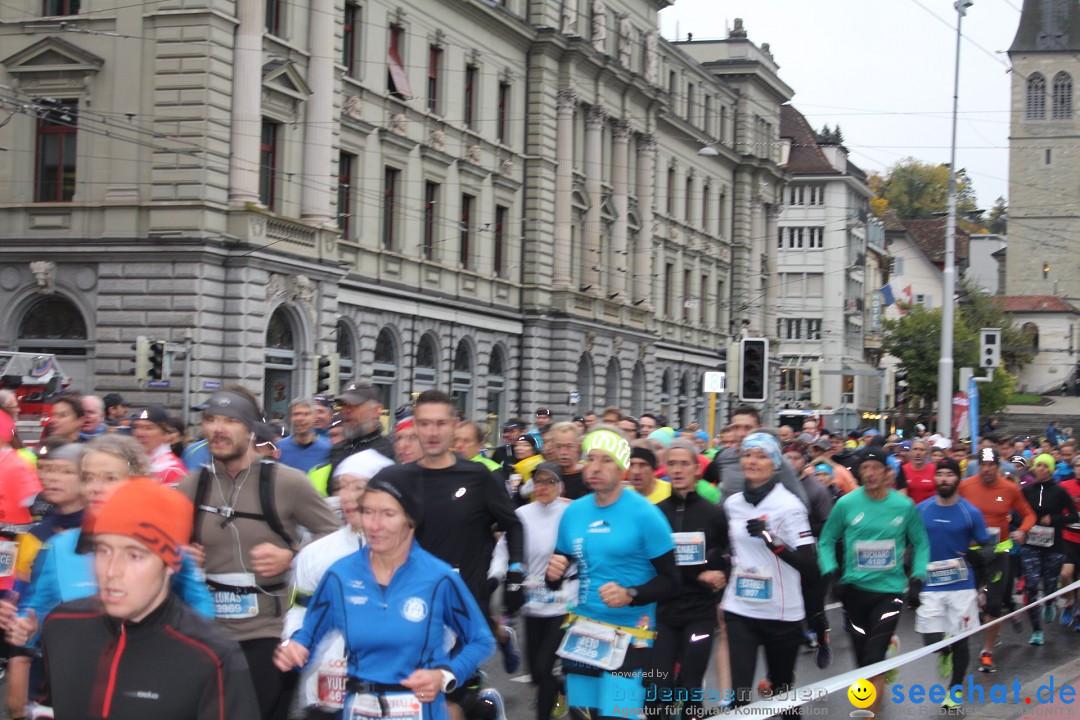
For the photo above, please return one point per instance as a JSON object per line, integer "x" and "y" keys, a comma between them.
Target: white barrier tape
{"x": 810, "y": 693}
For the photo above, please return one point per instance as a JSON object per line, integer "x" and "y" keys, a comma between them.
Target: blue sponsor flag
{"x": 886, "y": 293}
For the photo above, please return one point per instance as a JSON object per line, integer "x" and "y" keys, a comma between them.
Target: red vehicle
{"x": 36, "y": 379}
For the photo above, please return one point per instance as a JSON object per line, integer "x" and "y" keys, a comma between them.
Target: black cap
{"x": 543, "y": 412}
{"x": 950, "y": 465}
{"x": 402, "y": 482}
{"x": 644, "y": 454}
{"x": 234, "y": 405}
{"x": 113, "y": 399}
{"x": 1019, "y": 461}
{"x": 154, "y": 413}
{"x": 358, "y": 394}
{"x": 873, "y": 453}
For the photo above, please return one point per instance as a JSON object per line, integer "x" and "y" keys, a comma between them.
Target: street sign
{"x": 211, "y": 385}
{"x": 157, "y": 384}
{"x": 714, "y": 382}
{"x": 575, "y": 397}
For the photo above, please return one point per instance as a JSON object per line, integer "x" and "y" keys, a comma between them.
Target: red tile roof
{"x": 929, "y": 235}
{"x": 806, "y": 158}
{"x": 1033, "y": 304}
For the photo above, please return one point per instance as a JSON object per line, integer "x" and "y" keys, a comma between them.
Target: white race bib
{"x": 875, "y": 554}
{"x": 753, "y": 585}
{"x": 594, "y": 644}
{"x": 8, "y": 550}
{"x": 689, "y": 548}
{"x": 1040, "y": 536}
{"x": 230, "y": 605}
{"x": 333, "y": 676}
{"x": 946, "y": 572}
{"x": 398, "y": 705}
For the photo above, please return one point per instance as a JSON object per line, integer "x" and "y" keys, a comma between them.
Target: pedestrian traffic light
{"x": 141, "y": 347}
{"x": 156, "y": 369}
{"x": 900, "y": 386}
{"x": 327, "y": 374}
{"x": 754, "y": 370}
{"x": 990, "y": 347}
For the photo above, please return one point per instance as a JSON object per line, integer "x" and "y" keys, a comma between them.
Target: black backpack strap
{"x": 202, "y": 491}
{"x": 266, "y": 501}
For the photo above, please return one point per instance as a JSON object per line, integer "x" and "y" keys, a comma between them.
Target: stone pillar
{"x": 594, "y": 158}
{"x": 246, "y": 126}
{"x": 679, "y": 295}
{"x": 646, "y": 183}
{"x": 741, "y": 288}
{"x": 772, "y": 279}
{"x": 619, "y": 275}
{"x": 756, "y": 311}
{"x": 319, "y": 130}
{"x": 697, "y": 293}
{"x": 564, "y": 186}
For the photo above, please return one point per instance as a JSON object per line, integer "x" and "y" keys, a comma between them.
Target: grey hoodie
{"x": 732, "y": 480}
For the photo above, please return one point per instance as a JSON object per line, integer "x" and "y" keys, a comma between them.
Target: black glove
{"x": 913, "y": 589}
{"x": 839, "y": 589}
{"x": 514, "y": 580}
{"x": 756, "y": 528}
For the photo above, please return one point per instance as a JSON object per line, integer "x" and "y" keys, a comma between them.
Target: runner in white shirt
{"x": 322, "y": 682}
{"x": 772, "y": 548}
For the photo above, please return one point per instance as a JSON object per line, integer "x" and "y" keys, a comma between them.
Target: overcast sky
{"x": 883, "y": 70}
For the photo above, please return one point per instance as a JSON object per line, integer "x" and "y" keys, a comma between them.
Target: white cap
{"x": 364, "y": 464}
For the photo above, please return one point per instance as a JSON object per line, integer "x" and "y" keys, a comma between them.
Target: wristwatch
{"x": 449, "y": 683}
{"x": 632, "y": 592}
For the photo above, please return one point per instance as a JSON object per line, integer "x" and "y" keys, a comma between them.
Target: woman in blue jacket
{"x": 394, "y": 602}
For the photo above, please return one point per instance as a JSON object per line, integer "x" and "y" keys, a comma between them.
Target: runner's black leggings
{"x": 273, "y": 688}
{"x": 688, "y": 646}
{"x": 961, "y": 656}
{"x": 542, "y": 638}
{"x": 781, "y": 640}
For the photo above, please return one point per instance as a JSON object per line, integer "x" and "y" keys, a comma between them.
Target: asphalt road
{"x": 1014, "y": 657}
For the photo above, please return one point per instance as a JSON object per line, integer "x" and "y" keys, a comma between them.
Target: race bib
{"x": 753, "y": 586}
{"x": 875, "y": 554}
{"x": 231, "y": 605}
{"x": 689, "y": 548}
{"x": 8, "y": 551}
{"x": 995, "y": 535}
{"x": 332, "y": 679}
{"x": 398, "y": 705}
{"x": 537, "y": 591}
{"x": 946, "y": 572}
{"x": 594, "y": 644}
{"x": 1040, "y": 536}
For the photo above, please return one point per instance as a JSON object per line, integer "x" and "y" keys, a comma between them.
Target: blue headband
{"x": 766, "y": 443}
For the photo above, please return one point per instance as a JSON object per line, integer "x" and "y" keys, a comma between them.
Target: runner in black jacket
{"x": 686, "y": 622}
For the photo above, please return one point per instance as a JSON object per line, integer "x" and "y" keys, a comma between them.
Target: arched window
{"x": 53, "y": 325}
{"x": 427, "y": 362}
{"x": 1062, "y": 100}
{"x": 496, "y": 393}
{"x": 1031, "y": 333}
{"x": 461, "y": 382}
{"x": 612, "y": 384}
{"x": 384, "y": 371}
{"x": 685, "y": 412}
{"x": 279, "y": 386}
{"x": 584, "y": 385}
{"x": 346, "y": 350}
{"x": 1036, "y": 97}
{"x": 637, "y": 391}
{"x": 665, "y": 393}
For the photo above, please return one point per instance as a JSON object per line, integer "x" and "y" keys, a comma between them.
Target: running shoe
{"x": 510, "y": 651}
{"x": 949, "y": 703}
{"x": 944, "y": 663}
{"x": 1049, "y": 612}
{"x": 493, "y": 698}
{"x": 810, "y": 638}
{"x": 1067, "y": 615}
{"x": 561, "y": 709}
{"x": 765, "y": 688}
{"x": 986, "y": 662}
{"x": 824, "y": 653}
{"x": 893, "y": 651}
{"x": 1036, "y": 638}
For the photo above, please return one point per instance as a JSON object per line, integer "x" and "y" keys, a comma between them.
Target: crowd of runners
{"x": 332, "y": 569}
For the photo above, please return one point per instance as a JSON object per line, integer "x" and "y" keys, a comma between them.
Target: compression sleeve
{"x": 667, "y": 582}
{"x": 804, "y": 560}
{"x": 191, "y": 588}
{"x": 502, "y": 510}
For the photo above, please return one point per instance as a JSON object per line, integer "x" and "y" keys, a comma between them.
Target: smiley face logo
{"x": 862, "y": 693}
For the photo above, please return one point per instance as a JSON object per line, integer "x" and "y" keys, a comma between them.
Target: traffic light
{"x": 327, "y": 374}
{"x": 141, "y": 347}
{"x": 157, "y": 360}
{"x": 990, "y": 347}
{"x": 900, "y": 386}
{"x": 754, "y": 370}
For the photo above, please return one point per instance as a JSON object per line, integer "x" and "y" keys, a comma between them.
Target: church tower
{"x": 1043, "y": 256}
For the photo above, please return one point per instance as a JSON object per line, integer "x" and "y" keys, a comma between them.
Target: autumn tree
{"x": 997, "y": 223}
{"x": 917, "y": 190}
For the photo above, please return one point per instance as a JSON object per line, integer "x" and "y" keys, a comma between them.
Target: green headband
{"x": 613, "y": 444}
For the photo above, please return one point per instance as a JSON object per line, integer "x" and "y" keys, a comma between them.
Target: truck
{"x": 36, "y": 379}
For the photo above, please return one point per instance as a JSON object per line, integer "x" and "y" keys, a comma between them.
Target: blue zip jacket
{"x": 391, "y": 632}
{"x": 63, "y": 575}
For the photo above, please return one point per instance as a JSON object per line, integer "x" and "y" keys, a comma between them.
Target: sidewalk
{"x": 1060, "y": 406}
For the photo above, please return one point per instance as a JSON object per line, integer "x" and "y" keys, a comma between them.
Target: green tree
{"x": 998, "y": 223}
{"x": 917, "y": 190}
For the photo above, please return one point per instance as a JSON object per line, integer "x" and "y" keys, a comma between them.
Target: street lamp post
{"x": 945, "y": 364}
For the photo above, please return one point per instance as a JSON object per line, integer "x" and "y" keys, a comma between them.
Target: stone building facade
{"x": 506, "y": 200}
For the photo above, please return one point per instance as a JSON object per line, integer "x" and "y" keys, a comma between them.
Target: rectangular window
{"x": 391, "y": 178}
{"x": 896, "y": 266}
{"x": 268, "y": 164}
{"x": 59, "y": 8}
{"x": 691, "y": 104}
{"x": 796, "y": 194}
{"x": 346, "y": 163}
{"x": 816, "y": 238}
{"x": 434, "y": 61}
{"x": 720, "y": 206}
{"x": 688, "y": 301}
{"x": 702, "y": 305}
{"x": 431, "y": 198}
{"x": 397, "y": 80}
{"x": 706, "y": 121}
{"x": 467, "y": 203}
{"x": 705, "y": 208}
{"x": 501, "y": 215}
{"x": 723, "y": 124}
{"x": 502, "y": 129}
{"x": 669, "y": 289}
{"x": 275, "y": 15}
{"x": 57, "y": 131}
{"x": 671, "y": 191}
{"x": 689, "y": 193}
{"x": 815, "y": 285}
{"x": 470, "y": 96}
{"x": 350, "y": 47}
{"x": 813, "y": 329}
{"x": 817, "y": 195}
{"x": 792, "y": 329}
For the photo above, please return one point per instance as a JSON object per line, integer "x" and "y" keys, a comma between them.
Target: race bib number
{"x": 8, "y": 551}
{"x": 594, "y": 644}
{"x": 332, "y": 678}
{"x": 753, "y": 586}
{"x": 1040, "y": 536}
{"x": 400, "y": 706}
{"x": 230, "y": 605}
{"x": 875, "y": 554}
{"x": 689, "y": 548}
{"x": 946, "y": 572}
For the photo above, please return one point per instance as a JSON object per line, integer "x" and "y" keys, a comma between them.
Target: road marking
{"x": 522, "y": 679}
